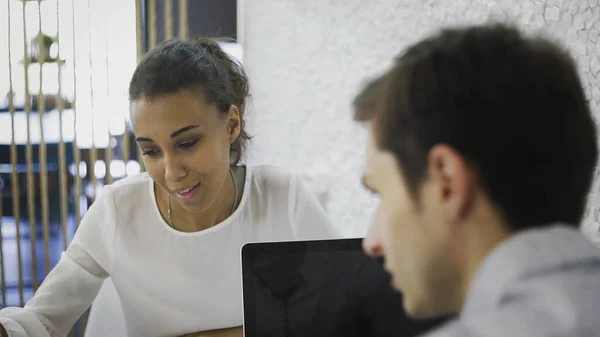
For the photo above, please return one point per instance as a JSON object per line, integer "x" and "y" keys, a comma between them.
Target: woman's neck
{"x": 185, "y": 221}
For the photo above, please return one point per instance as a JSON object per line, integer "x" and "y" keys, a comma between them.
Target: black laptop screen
{"x": 320, "y": 288}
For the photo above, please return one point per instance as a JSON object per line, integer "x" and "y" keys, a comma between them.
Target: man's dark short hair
{"x": 512, "y": 105}
{"x": 366, "y": 101}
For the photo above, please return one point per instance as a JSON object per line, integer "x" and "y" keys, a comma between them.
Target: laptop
{"x": 326, "y": 288}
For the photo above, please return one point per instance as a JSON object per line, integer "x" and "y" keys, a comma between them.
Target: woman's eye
{"x": 149, "y": 152}
{"x": 187, "y": 145}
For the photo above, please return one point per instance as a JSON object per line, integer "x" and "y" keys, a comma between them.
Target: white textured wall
{"x": 306, "y": 59}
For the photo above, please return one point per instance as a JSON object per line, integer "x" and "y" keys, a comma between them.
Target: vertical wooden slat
{"x": 2, "y": 268}
{"x": 108, "y": 152}
{"x": 29, "y": 159}
{"x": 183, "y": 19}
{"x": 62, "y": 153}
{"x": 42, "y": 152}
{"x": 2, "y": 276}
{"x": 2, "y": 273}
{"x": 93, "y": 151}
{"x": 152, "y": 37}
{"x": 168, "y": 19}
{"x": 139, "y": 30}
{"x": 16, "y": 202}
{"x": 139, "y": 33}
{"x": 76, "y": 151}
{"x": 75, "y": 146}
{"x": 108, "y": 157}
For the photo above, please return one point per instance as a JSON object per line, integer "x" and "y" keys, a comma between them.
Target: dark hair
{"x": 176, "y": 65}
{"x": 368, "y": 98}
{"x": 512, "y": 105}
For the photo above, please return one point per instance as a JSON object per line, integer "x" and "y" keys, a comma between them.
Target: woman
{"x": 170, "y": 238}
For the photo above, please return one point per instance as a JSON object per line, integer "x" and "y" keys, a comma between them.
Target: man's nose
{"x": 372, "y": 242}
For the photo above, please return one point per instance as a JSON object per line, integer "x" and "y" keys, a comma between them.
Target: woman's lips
{"x": 187, "y": 194}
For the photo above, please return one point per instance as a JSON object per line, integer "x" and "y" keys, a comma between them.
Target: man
{"x": 482, "y": 150}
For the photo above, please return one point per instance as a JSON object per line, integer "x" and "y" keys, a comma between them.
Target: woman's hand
{"x": 231, "y": 332}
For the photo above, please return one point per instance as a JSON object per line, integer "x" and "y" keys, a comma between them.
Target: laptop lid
{"x": 320, "y": 288}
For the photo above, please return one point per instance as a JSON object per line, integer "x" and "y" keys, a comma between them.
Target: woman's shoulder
{"x": 272, "y": 172}
{"x": 131, "y": 189}
{"x": 276, "y": 182}
{"x": 272, "y": 177}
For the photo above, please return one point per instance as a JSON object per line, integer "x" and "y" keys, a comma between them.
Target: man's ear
{"x": 454, "y": 180}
